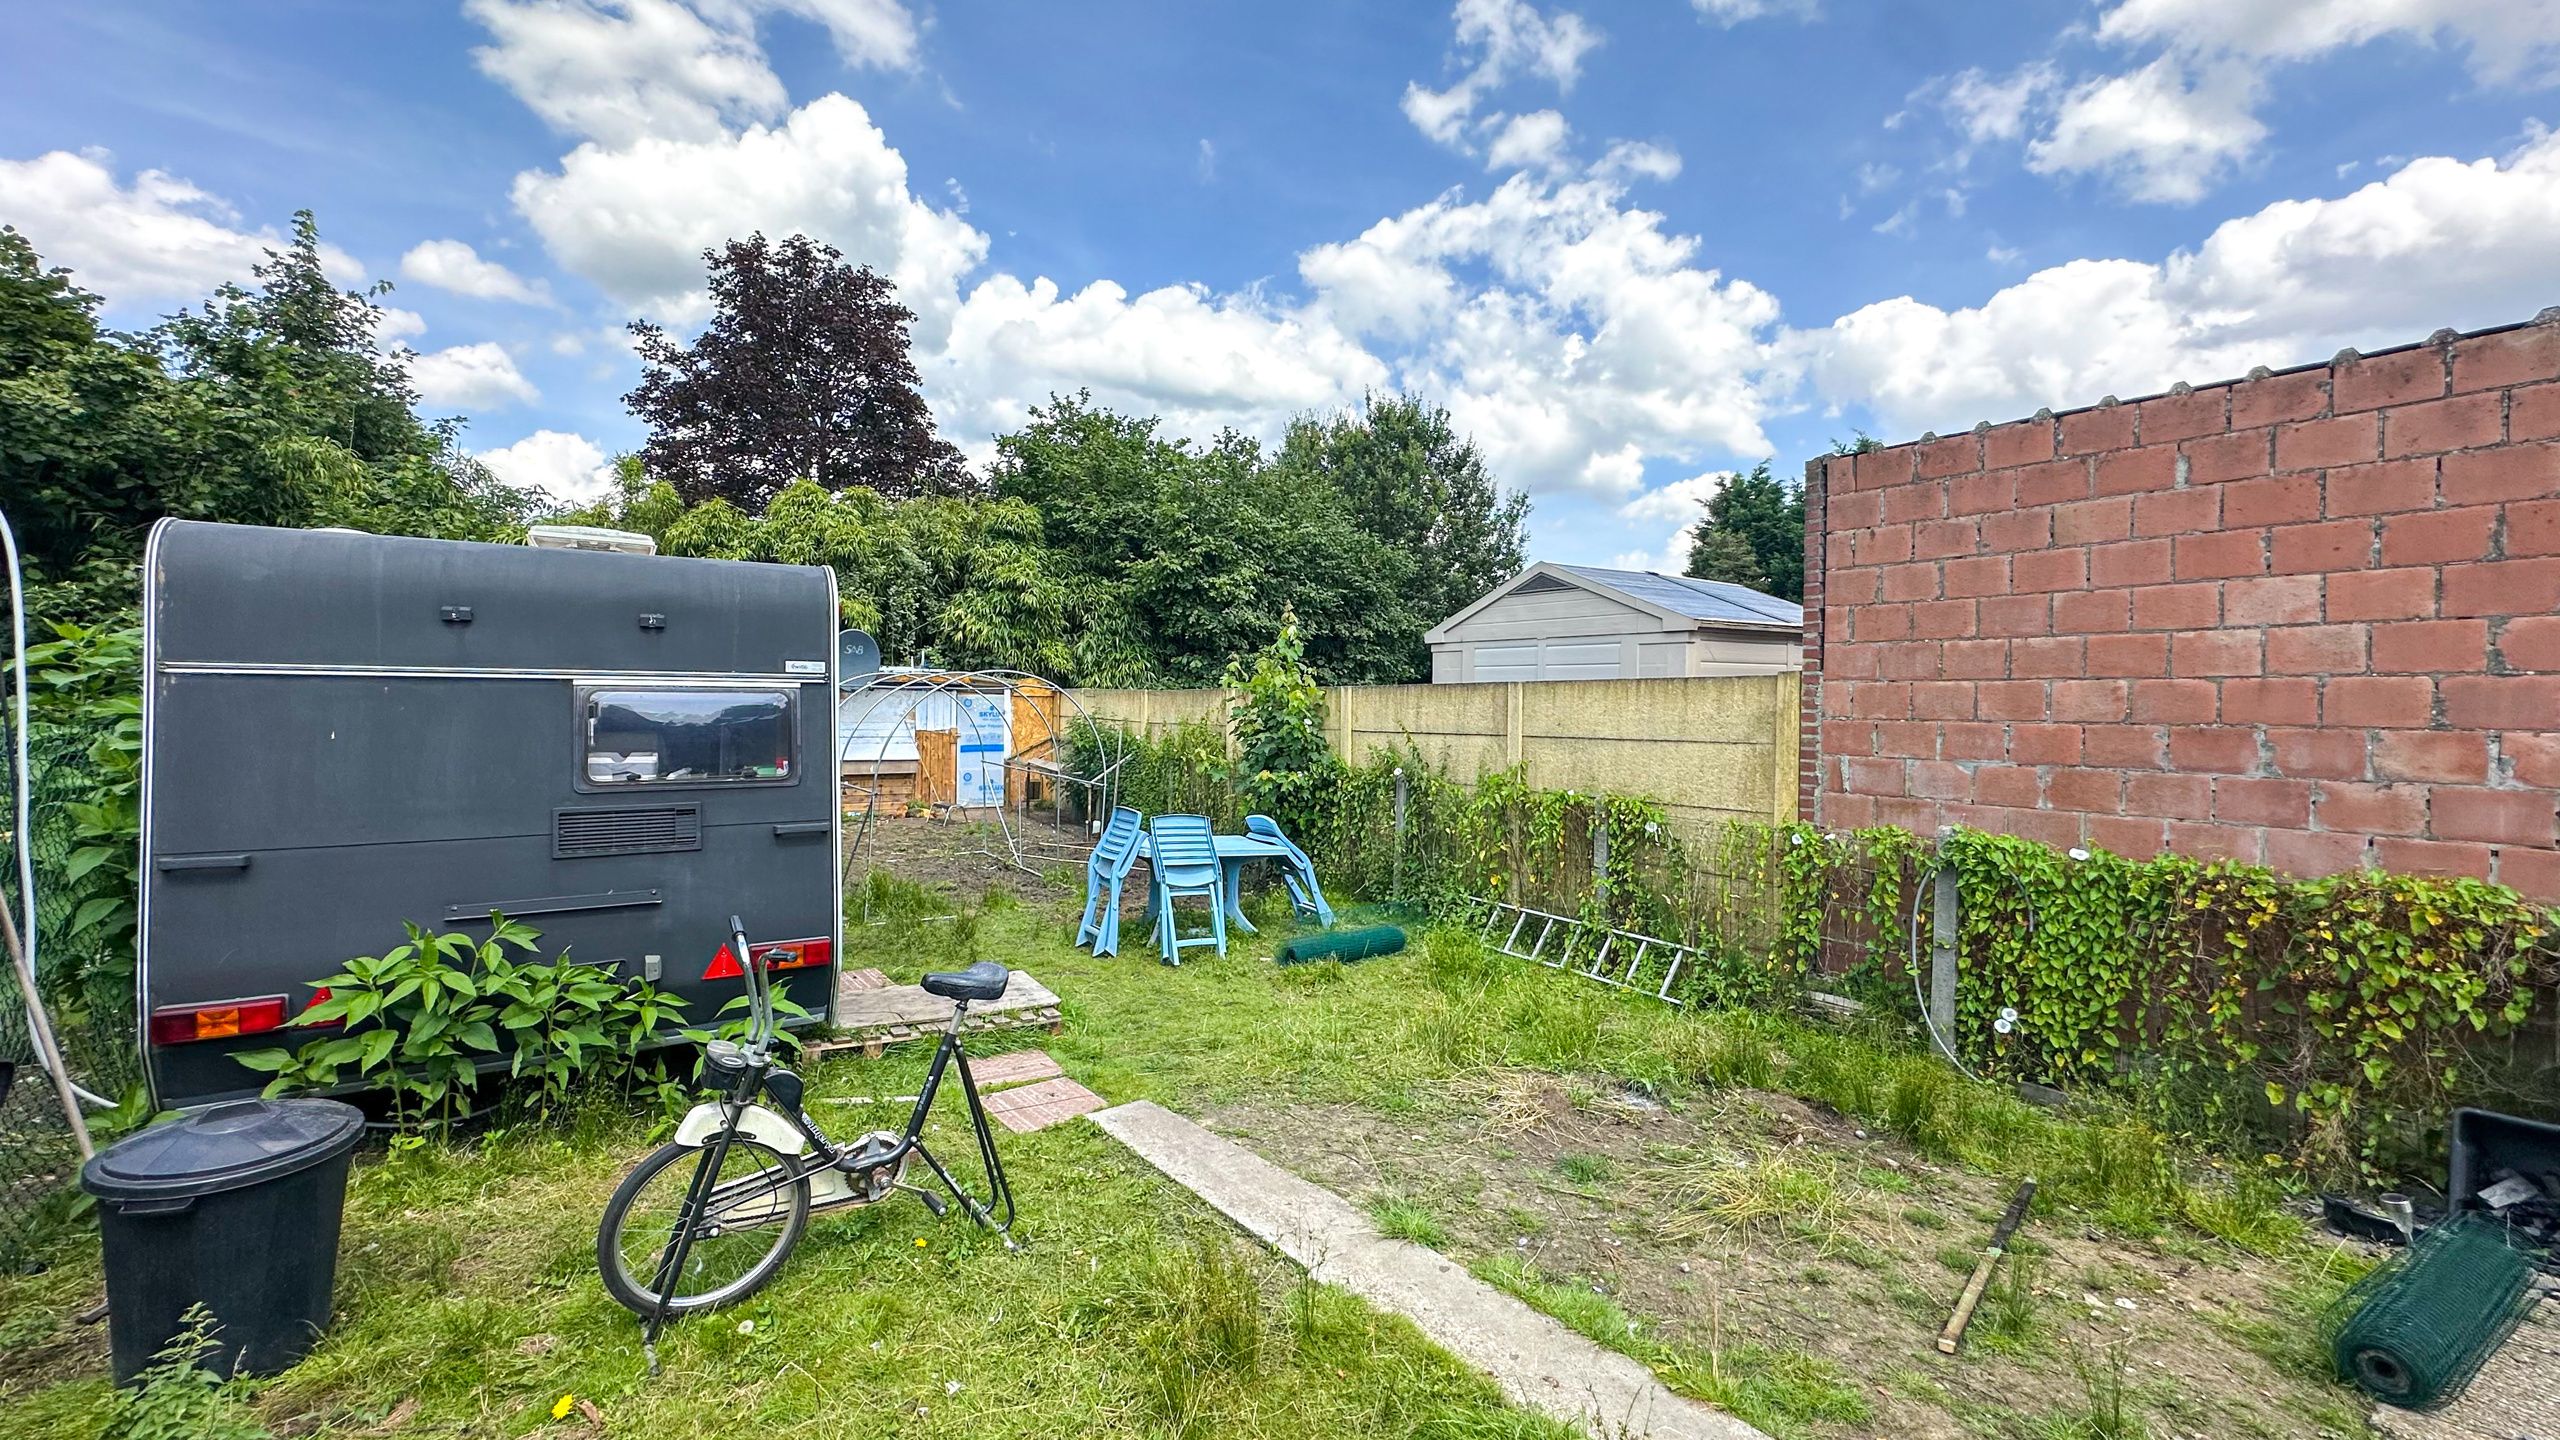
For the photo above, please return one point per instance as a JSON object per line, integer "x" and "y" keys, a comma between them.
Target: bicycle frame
{"x": 838, "y": 1175}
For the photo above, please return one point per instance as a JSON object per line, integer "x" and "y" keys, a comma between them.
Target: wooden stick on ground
{"x": 1991, "y": 1253}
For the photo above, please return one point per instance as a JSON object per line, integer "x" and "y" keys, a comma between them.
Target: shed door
{"x": 1570, "y": 658}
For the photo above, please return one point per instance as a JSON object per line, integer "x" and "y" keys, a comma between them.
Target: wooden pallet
{"x": 873, "y": 1019}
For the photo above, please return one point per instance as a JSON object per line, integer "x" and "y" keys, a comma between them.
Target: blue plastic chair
{"x": 1184, "y": 857}
{"x": 1114, "y": 856}
{"x": 1296, "y": 870}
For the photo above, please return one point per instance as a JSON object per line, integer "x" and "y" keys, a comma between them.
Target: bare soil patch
{"x": 1748, "y": 1217}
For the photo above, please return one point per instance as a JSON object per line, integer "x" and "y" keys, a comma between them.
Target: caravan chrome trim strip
{"x": 447, "y": 672}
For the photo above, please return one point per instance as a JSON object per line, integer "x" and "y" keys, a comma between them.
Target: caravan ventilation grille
{"x": 626, "y": 830}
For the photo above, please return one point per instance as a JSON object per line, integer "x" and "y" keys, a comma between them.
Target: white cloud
{"x": 1678, "y": 501}
{"x": 1206, "y": 165}
{"x": 468, "y": 377}
{"x": 1504, "y": 38}
{"x": 156, "y": 240}
{"x": 1575, "y": 337}
{"x": 635, "y": 219}
{"x": 880, "y": 34}
{"x": 1874, "y": 175}
{"x": 392, "y": 325}
{"x": 1679, "y": 505}
{"x": 566, "y": 466}
{"x": 2153, "y": 131}
{"x": 1563, "y": 329}
{"x": 1988, "y": 109}
{"x": 1201, "y": 361}
{"x": 1531, "y": 141}
{"x": 1638, "y": 158}
{"x": 2508, "y": 41}
{"x": 1730, "y": 13}
{"x": 2438, "y": 242}
{"x": 1512, "y": 35}
{"x": 617, "y": 70}
{"x": 453, "y": 265}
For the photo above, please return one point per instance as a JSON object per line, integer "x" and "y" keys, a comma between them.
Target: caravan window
{"x": 686, "y": 737}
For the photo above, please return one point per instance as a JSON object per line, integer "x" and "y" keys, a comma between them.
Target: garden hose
{"x": 2414, "y": 1331}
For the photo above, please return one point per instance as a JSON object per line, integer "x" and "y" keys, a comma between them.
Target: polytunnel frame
{"x": 1014, "y": 685}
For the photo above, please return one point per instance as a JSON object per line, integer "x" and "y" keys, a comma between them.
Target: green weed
{"x": 1406, "y": 1219}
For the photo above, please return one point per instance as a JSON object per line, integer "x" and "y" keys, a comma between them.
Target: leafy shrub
{"x": 84, "y": 704}
{"x": 420, "y": 1019}
{"x": 1283, "y": 761}
{"x": 177, "y": 1398}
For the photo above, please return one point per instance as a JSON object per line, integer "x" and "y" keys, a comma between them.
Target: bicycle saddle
{"x": 982, "y": 981}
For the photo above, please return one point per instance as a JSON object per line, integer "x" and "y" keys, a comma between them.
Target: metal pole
{"x": 1395, "y": 882}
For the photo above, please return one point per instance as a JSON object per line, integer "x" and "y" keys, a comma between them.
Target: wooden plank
{"x": 938, "y": 767}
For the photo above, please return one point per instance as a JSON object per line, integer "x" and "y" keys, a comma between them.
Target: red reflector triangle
{"x": 724, "y": 966}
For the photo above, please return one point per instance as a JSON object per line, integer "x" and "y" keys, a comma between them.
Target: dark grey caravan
{"x": 345, "y": 731}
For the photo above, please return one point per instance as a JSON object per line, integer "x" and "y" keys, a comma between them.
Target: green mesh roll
{"x": 2414, "y": 1331}
{"x": 1343, "y": 945}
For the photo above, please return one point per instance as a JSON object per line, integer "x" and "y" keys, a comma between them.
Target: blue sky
{"x": 1631, "y": 246}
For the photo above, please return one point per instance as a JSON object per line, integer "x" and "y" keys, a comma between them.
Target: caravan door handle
{"x": 170, "y": 864}
{"x": 803, "y": 827}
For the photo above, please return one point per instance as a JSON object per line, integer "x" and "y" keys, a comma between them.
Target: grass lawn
{"x": 1669, "y": 1184}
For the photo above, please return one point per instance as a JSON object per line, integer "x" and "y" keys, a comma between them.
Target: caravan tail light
{"x": 813, "y": 954}
{"x": 217, "y": 1020}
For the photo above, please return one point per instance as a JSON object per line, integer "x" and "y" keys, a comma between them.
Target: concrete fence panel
{"x": 1710, "y": 748}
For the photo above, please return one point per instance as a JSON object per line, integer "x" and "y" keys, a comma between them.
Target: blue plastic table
{"x": 1233, "y": 851}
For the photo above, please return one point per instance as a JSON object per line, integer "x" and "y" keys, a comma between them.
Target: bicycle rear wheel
{"x": 759, "y": 1205}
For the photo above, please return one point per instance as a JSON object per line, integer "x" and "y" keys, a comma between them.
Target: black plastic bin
{"x": 234, "y": 1207}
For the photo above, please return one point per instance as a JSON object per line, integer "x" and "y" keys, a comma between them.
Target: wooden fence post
{"x": 1943, "y": 918}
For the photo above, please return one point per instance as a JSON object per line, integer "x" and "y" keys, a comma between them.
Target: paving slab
{"x": 1037, "y": 1107}
{"x": 872, "y": 1017}
{"x": 1012, "y": 1068}
{"x": 1537, "y": 1362}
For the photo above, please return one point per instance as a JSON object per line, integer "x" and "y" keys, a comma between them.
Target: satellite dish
{"x": 857, "y": 655}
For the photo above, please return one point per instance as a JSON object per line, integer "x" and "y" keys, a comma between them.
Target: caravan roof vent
{"x": 588, "y": 537}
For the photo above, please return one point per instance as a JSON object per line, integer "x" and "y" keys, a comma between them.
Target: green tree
{"x": 1725, "y": 555}
{"x": 1754, "y": 526}
{"x": 95, "y": 442}
{"x": 1205, "y": 546}
{"x": 269, "y": 406}
{"x": 1408, "y": 478}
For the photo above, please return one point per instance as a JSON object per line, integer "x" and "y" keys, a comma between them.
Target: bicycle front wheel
{"x": 757, "y": 1206}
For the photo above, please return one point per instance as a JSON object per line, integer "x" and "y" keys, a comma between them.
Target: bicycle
{"x": 758, "y": 1173}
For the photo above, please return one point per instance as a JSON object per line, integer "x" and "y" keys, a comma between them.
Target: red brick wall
{"x": 2310, "y": 619}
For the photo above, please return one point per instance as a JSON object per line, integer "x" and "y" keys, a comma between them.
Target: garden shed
{"x": 1583, "y": 622}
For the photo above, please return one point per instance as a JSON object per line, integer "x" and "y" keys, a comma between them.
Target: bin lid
{"x": 223, "y": 1147}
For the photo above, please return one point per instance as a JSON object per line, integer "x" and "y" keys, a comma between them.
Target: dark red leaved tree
{"x": 803, "y": 372}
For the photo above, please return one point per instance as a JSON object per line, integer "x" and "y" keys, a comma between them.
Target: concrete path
{"x": 1537, "y": 1362}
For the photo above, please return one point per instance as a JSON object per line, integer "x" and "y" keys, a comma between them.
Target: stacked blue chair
{"x": 1296, "y": 870}
{"x": 1184, "y": 856}
{"x": 1114, "y": 855}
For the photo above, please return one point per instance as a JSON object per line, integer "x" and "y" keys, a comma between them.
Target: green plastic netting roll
{"x": 1344, "y": 945}
{"x": 2414, "y": 1331}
